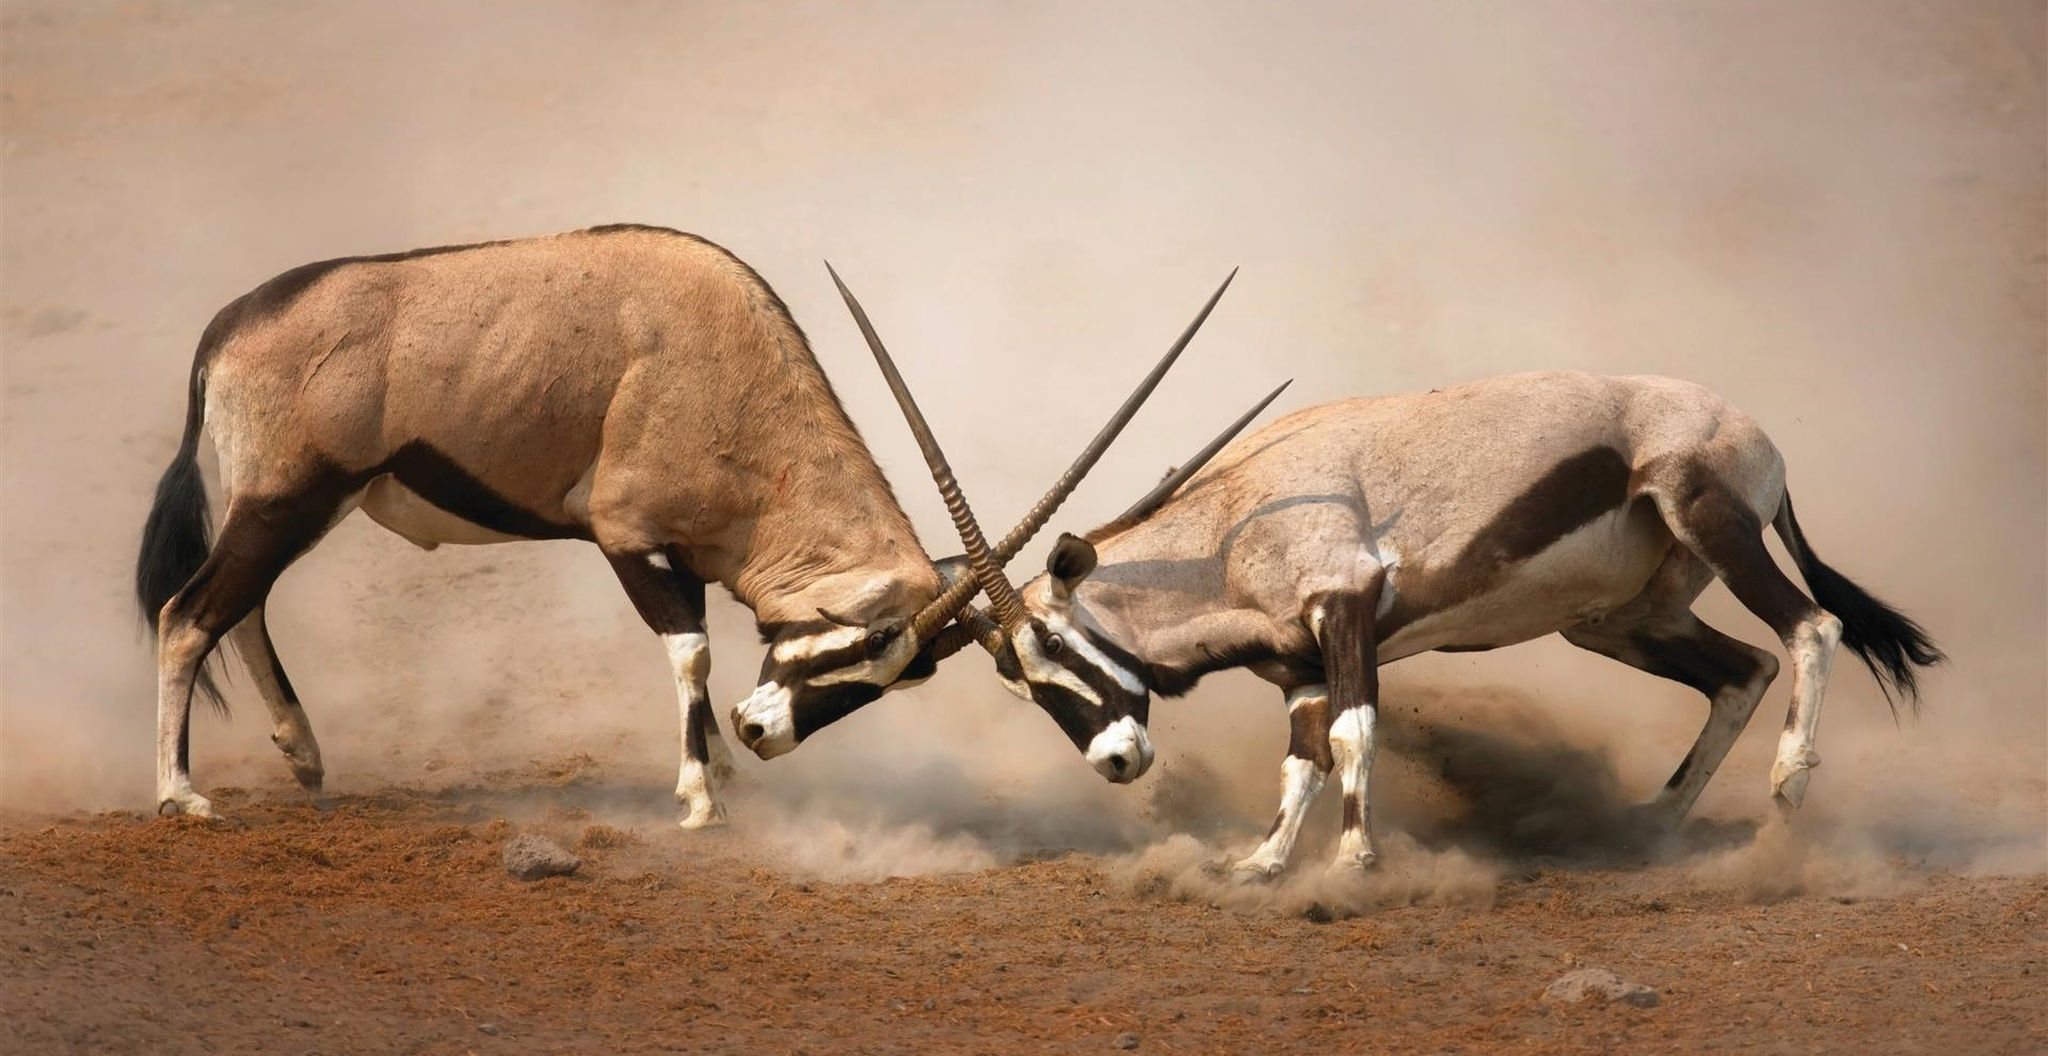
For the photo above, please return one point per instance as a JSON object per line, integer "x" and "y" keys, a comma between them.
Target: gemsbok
{"x": 1355, "y": 533}
{"x": 631, "y": 386}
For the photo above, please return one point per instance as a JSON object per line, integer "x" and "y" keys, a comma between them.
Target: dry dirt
{"x": 385, "y": 922}
{"x": 1833, "y": 213}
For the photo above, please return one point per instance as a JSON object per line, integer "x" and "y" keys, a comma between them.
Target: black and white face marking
{"x": 818, "y": 672}
{"x": 1090, "y": 688}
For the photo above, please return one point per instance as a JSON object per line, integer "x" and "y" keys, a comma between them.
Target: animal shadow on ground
{"x": 1519, "y": 795}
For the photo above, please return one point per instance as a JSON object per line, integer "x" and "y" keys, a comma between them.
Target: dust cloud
{"x": 1832, "y": 213}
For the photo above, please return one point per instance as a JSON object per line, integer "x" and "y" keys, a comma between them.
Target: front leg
{"x": 671, "y": 600}
{"x": 1344, "y": 629}
{"x": 1301, "y": 777}
{"x": 706, "y": 764}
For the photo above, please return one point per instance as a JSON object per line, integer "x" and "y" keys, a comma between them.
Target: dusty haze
{"x": 1833, "y": 214}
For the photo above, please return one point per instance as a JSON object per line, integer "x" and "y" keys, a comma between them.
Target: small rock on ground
{"x": 1126, "y": 1041}
{"x": 533, "y": 857}
{"x": 1601, "y": 984}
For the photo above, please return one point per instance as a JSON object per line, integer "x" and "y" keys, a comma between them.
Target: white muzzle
{"x": 1121, "y": 753}
{"x": 763, "y": 721}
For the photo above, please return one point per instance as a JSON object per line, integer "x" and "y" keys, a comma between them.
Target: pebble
{"x": 1126, "y": 1040}
{"x": 533, "y": 857}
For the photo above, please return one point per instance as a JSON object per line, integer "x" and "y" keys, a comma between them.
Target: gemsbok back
{"x": 1352, "y": 534}
{"x": 632, "y": 386}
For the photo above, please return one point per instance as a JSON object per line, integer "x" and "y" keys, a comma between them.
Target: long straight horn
{"x": 1001, "y": 595}
{"x": 1043, "y": 511}
{"x": 957, "y": 595}
{"x": 1157, "y": 496}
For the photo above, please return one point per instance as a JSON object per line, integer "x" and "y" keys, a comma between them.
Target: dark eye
{"x": 878, "y": 642}
{"x": 1054, "y": 644}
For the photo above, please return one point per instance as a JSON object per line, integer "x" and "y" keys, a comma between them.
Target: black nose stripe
{"x": 811, "y": 710}
{"x": 1076, "y": 718}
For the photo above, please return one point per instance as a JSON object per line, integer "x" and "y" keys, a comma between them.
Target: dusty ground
{"x": 1832, "y": 212}
{"x": 384, "y": 922}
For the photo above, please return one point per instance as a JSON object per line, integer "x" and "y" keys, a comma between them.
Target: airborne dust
{"x": 1831, "y": 213}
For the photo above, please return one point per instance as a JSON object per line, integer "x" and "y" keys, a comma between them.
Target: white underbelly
{"x": 420, "y": 522}
{"x": 1582, "y": 576}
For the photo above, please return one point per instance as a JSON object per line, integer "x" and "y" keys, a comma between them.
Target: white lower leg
{"x": 1351, "y": 743}
{"x": 1300, "y": 781}
{"x": 689, "y": 658}
{"x": 697, "y": 795}
{"x": 722, "y": 769}
{"x": 178, "y": 657}
{"x": 1812, "y": 645}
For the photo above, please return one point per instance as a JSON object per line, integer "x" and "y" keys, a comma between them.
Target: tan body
{"x": 1350, "y": 534}
{"x": 1397, "y": 488}
{"x": 635, "y": 387}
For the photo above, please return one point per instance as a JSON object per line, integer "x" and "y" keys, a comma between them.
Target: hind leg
{"x": 671, "y": 600}
{"x": 259, "y": 539}
{"x": 1658, "y": 633}
{"x": 290, "y": 731}
{"x": 1812, "y": 645}
{"x": 181, "y": 648}
{"x": 1715, "y": 522}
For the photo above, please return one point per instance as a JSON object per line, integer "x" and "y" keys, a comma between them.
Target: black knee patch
{"x": 1309, "y": 733}
{"x": 1705, "y": 665}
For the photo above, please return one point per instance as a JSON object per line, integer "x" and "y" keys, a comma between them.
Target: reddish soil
{"x": 386, "y": 923}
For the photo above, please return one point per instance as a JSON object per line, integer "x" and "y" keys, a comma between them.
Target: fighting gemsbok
{"x": 1352, "y": 534}
{"x": 768, "y": 722}
{"x": 631, "y": 386}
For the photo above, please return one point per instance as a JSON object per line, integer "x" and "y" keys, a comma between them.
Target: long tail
{"x": 1887, "y": 640}
{"x": 178, "y": 535}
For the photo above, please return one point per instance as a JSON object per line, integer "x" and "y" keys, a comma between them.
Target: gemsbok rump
{"x": 1355, "y": 533}
{"x": 632, "y": 386}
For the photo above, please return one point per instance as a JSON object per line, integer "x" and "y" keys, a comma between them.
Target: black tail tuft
{"x": 177, "y": 537}
{"x": 1887, "y": 640}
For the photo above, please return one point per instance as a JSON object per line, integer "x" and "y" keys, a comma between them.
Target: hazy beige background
{"x": 1833, "y": 213}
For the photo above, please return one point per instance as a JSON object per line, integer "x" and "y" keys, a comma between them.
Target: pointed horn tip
{"x": 1265, "y": 402}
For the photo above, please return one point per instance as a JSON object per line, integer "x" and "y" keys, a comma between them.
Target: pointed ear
{"x": 951, "y": 569}
{"x": 843, "y": 621}
{"x": 853, "y": 599}
{"x": 1071, "y": 560}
